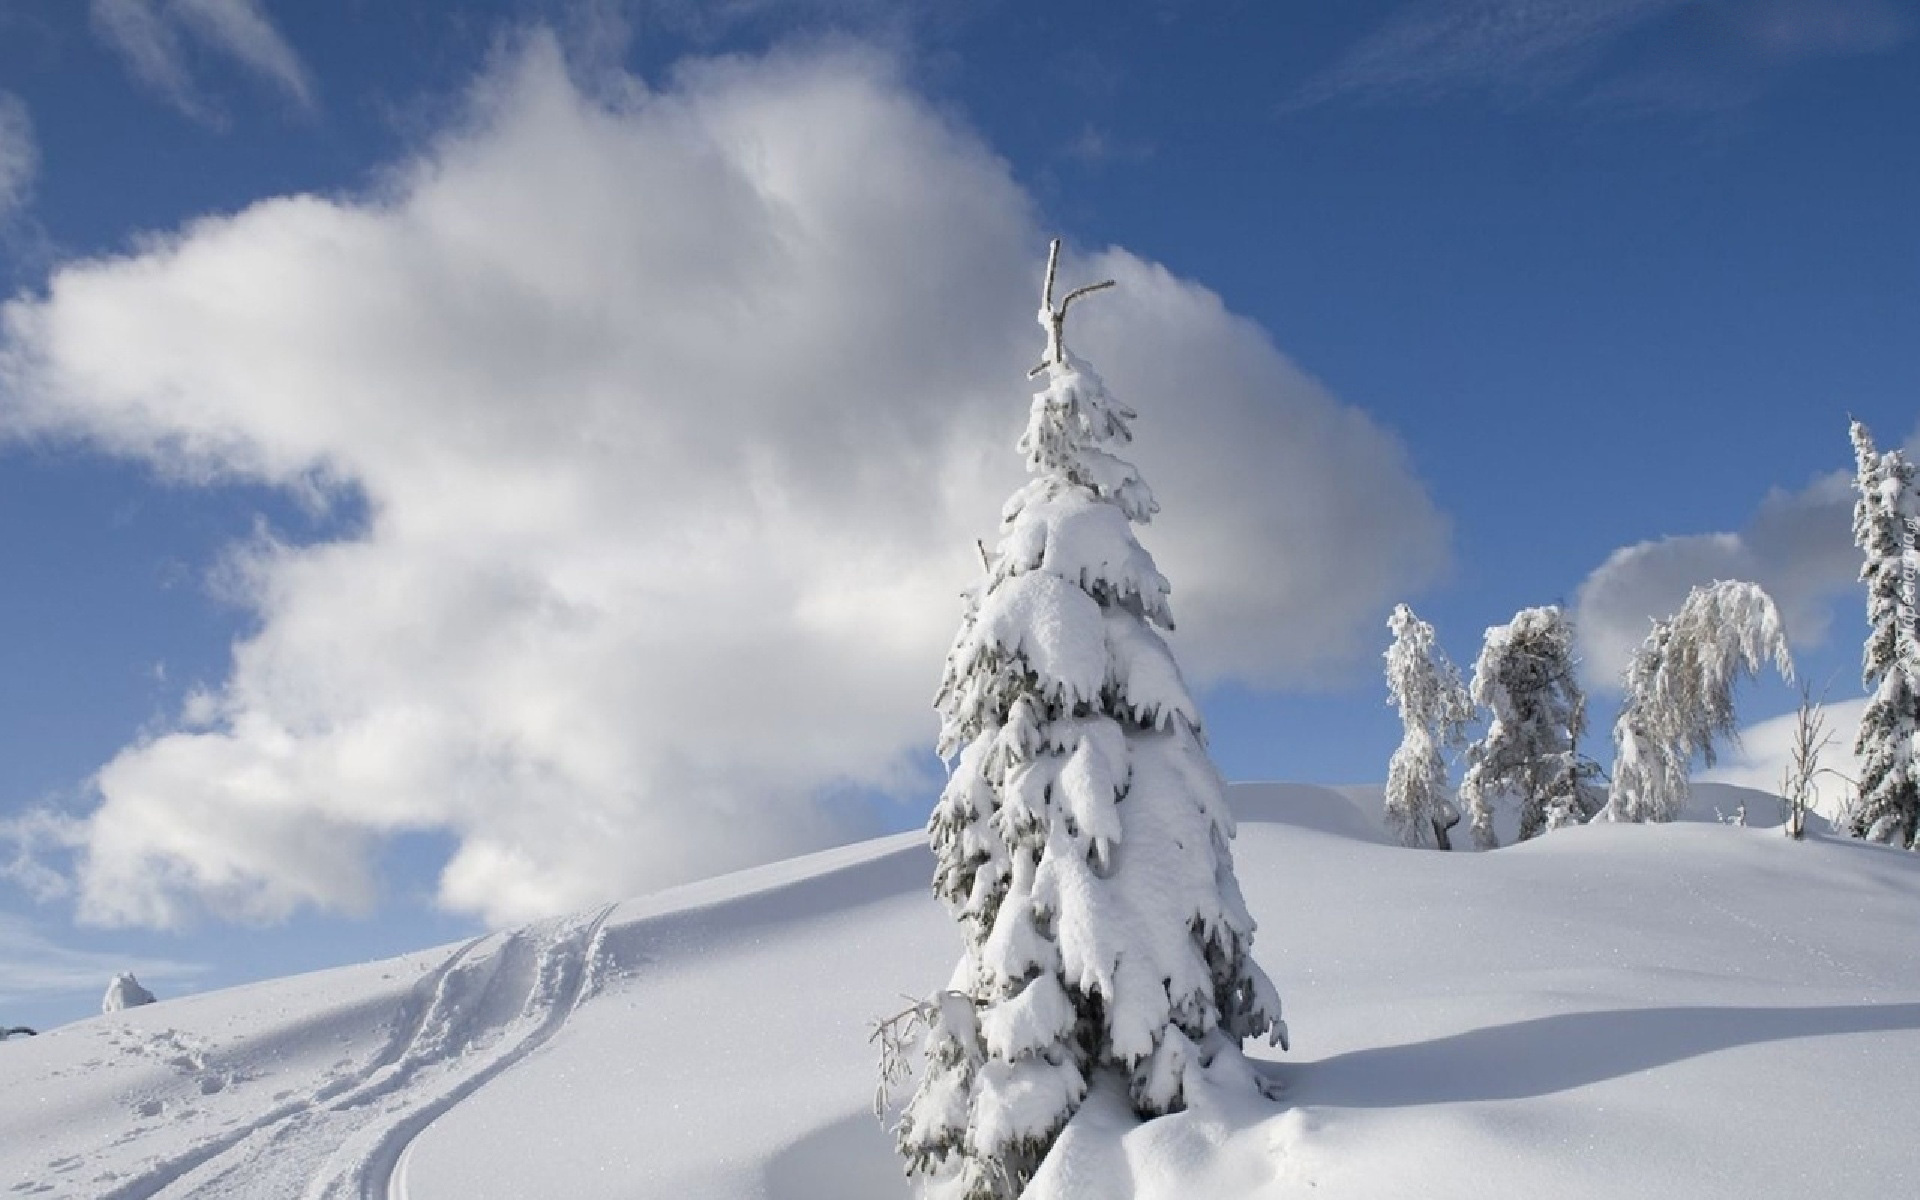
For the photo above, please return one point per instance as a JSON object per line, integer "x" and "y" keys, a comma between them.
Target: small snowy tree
{"x": 1680, "y": 694}
{"x": 1648, "y": 770}
{"x": 1434, "y": 712}
{"x": 1887, "y": 808}
{"x": 1531, "y": 750}
{"x": 1083, "y": 840}
{"x": 124, "y": 992}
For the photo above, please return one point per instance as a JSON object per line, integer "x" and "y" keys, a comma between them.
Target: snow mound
{"x": 1604, "y": 1011}
{"x": 1341, "y": 812}
{"x": 123, "y": 993}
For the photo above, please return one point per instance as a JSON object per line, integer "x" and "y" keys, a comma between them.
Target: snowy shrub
{"x": 1887, "y": 807}
{"x": 1082, "y": 841}
{"x": 1811, "y": 737}
{"x": 1524, "y": 678}
{"x": 1434, "y": 712}
{"x": 1680, "y": 694}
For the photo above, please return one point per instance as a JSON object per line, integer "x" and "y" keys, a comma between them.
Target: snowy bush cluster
{"x": 1679, "y": 699}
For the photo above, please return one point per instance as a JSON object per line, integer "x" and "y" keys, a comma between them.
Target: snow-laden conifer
{"x": 1887, "y": 808}
{"x": 1083, "y": 840}
{"x": 1434, "y": 712}
{"x": 1680, "y": 694}
{"x": 1531, "y": 751}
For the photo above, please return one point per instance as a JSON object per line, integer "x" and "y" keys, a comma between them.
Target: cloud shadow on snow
{"x": 1545, "y": 1055}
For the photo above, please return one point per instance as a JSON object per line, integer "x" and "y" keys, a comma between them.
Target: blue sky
{"x": 1474, "y": 304}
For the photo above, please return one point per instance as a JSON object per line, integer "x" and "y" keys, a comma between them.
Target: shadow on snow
{"x": 1544, "y": 1055}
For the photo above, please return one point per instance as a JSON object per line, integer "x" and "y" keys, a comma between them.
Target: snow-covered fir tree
{"x": 1680, "y": 694}
{"x": 1434, "y": 712}
{"x": 1083, "y": 839}
{"x": 1887, "y": 807}
{"x": 1531, "y": 751}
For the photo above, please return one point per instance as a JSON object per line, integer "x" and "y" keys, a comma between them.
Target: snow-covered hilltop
{"x": 1689, "y": 1009}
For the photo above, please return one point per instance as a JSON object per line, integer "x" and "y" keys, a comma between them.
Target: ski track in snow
{"x": 491, "y": 1002}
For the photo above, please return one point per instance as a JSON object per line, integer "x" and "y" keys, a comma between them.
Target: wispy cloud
{"x": 19, "y": 156}
{"x": 29, "y": 841}
{"x": 1438, "y": 46}
{"x": 1803, "y": 28}
{"x": 239, "y": 29}
{"x": 1638, "y": 53}
{"x": 602, "y": 31}
{"x": 150, "y": 47}
{"x": 1094, "y": 146}
{"x": 152, "y": 36}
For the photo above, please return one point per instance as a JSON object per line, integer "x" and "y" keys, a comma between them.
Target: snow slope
{"x": 1692, "y": 1009}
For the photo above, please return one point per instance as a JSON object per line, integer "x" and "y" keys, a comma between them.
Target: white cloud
{"x": 19, "y": 156}
{"x": 1760, "y": 758}
{"x": 675, "y": 422}
{"x": 147, "y": 34}
{"x": 1290, "y": 520}
{"x": 1798, "y": 546}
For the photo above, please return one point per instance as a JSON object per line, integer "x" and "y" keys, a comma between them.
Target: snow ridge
{"x": 491, "y": 1002}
